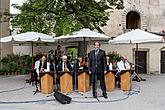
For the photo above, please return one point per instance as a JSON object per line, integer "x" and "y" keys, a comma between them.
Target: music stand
{"x": 125, "y": 80}
{"x": 77, "y": 69}
{"x": 83, "y": 81}
{"x": 110, "y": 80}
{"x": 46, "y": 82}
{"x": 66, "y": 82}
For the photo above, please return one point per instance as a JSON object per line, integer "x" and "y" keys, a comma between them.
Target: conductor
{"x": 98, "y": 67}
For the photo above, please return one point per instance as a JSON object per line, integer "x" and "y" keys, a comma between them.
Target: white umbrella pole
{"x": 137, "y": 46}
{"x": 32, "y": 56}
{"x": 84, "y": 48}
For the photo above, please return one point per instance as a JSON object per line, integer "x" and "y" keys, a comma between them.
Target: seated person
{"x": 123, "y": 64}
{"x": 81, "y": 63}
{"x": 33, "y": 74}
{"x": 52, "y": 66}
{"x": 64, "y": 65}
{"x": 42, "y": 65}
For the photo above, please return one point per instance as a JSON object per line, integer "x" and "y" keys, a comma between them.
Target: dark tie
{"x": 96, "y": 53}
{"x": 124, "y": 66}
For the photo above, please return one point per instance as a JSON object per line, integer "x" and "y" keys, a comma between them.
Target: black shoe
{"x": 105, "y": 96}
{"x": 94, "y": 96}
{"x": 143, "y": 79}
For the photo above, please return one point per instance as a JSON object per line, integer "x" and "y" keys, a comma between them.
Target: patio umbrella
{"x": 84, "y": 35}
{"x": 135, "y": 37}
{"x": 28, "y": 37}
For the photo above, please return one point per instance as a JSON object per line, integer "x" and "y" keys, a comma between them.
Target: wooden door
{"x": 141, "y": 62}
{"x": 162, "y": 62}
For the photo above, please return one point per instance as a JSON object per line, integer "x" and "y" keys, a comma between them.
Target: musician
{"x": 98, "y": 67}
{"x": 51, "y": 60}
{"x": 51, "y": 55}
{"x": 64, "y": 65}
{"x": 123, "y": 64}
{"x": 58, "y": 54}
{"x": 33, "y": 72}
{"x": 81, "y": 63}
{"x": 52, "y": 65}
{"x": 42, "y": 65}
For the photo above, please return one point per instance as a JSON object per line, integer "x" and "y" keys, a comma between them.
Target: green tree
{"x": 63, "y": 16}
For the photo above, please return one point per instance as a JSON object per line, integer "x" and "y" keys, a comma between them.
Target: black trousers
{"x": 97, "y": 76}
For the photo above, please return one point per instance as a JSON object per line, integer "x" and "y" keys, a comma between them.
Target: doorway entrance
{"x": 162, "y": 61}
{"x": 141, "y": 62}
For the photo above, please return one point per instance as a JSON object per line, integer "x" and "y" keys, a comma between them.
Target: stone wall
{"x": 152, "y": 13}
{"x": 6, "y": 48}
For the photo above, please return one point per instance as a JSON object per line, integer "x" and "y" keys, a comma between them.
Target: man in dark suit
{"x": 98, "y": 67}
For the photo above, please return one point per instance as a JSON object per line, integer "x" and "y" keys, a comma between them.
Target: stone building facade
{"x": 147, "y": 15}
{"x": 6, "y": 48}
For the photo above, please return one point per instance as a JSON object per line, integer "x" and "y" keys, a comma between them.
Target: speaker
{"x": 62, "y": 98}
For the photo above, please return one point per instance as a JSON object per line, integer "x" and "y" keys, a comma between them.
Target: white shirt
{"x": 110, "y": 66}
{"x": 63, "y": 66}
{"x": 37, "y": 65}
{"x": 120, "y": 65}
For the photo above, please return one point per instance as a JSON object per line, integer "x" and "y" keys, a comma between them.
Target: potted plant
{"x": 114, "y": 57}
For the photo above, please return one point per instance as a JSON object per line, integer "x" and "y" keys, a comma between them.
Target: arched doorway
{"x": 133, "y": 20}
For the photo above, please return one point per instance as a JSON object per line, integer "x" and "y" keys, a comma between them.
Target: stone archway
{"x": 142, "y": 20}
{"x": 133, "y": 20}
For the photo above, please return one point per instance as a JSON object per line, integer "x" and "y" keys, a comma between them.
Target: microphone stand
{"x": 75, "y": 76}
{"x": 135, "y": 64}
{"x": 135, "y": 74}
{"x": 36, "y": 83}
